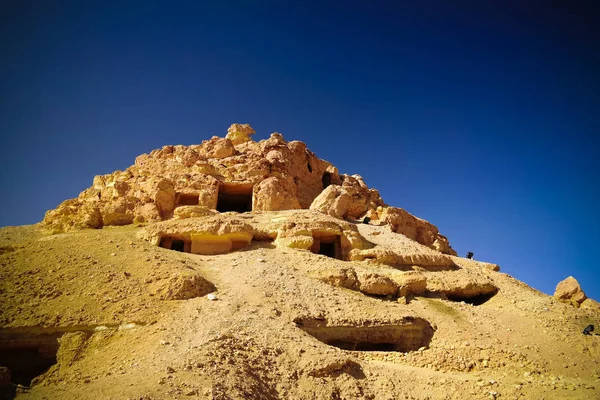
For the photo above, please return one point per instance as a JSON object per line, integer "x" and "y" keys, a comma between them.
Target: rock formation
{"x": 569, "y": 291}
{"x": 238, "y": 174}
{"x": 243, "y": 271}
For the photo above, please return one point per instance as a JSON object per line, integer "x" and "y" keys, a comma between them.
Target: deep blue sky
{"x": 479, "y": 116}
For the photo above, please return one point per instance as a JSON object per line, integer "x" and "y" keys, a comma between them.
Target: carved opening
{"x": 27, "y": 357}
{"x": 327, "y": 245}
{"x": 309, "y": 167}
{"x": 176, "y": 243}
{"x": 475, "y": 300}
{"x": 326, "y": 179}
{"x": 411, "y": 335}
{"x": 235, "y": 197}
{"x": 187, "y": 199}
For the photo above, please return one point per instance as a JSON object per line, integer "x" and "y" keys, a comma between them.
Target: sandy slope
{"x": 248, "y": 343}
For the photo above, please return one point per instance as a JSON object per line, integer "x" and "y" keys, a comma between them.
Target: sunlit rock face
{"x": 232, "y": 174}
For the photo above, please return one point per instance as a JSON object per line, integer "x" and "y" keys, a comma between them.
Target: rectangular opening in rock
{"x": 326, "y": 179}
{"x": 187, "y": 199}
{"x": 176, "y": 243}
{"x": 327, "y": 245}
{"x": 235, "y": 197}
{"x": 404, "y": 336}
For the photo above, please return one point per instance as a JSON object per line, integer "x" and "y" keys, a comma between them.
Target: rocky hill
{"x": 237, "y": 269}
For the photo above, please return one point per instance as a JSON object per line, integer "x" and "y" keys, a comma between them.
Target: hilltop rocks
{"x": 570, "y": 292}
{"x": 236, "y": 174}
{"x": 350, "y": 200}
{"x": 239, "y": 133}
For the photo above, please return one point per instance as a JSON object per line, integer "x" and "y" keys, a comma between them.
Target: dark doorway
{"x": 475, "y": 300}
{"x": 187, "y": 199}
{"x": 178, "y": 245}
{"x": 327, "y": 249}
{"x": 235, "y": 197}
{"x": 175, "y": 243}
{"x": 326, "y": 179}
{"x": 28, "y": 362}
{"x": 234, "y": 202}
{"x": 327, "y": 245}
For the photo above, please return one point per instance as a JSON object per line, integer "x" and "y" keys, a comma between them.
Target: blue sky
{"x": 481, "y": 117}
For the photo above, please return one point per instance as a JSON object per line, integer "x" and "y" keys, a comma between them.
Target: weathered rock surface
{"x": 569, "y": 291}
{"x": 182, "y": 287}
{"x": 233, "y": 173}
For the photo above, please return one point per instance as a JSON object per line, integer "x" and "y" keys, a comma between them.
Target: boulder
{"x": 569, "y": 291}
{"x": 275, "y": 194}
{"x": 240, "y": 133}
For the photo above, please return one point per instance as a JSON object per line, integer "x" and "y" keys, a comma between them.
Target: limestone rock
{"x": 192, "y": 212}
{"x": 275, "y": 194}
{"x": 414, "y": 228}
{"x": 218, "y": 148}
{"x": 461, "y": 285}
{"x": 590, "y": 304}
{"x": 208, "y": 235}
{"x": 569, "y": 291}
{"x": 182, "y": 287}
{"x": 375, "y": 284}
{"x": 235, "y": 173}
{"x": 239, "y": 133}
{"x": 352, "y": 199}
{"x": 414, "y": 283}
{"x": 341, "y": 277}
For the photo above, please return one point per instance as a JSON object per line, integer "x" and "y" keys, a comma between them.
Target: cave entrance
{"x": 408, "y": 335}
{"x": 475, "y": 300}
{"x": 28, "y": 356}
{"x": 187, "y": 199}
{"x": 327, "y": 245}
{"x": 326, "y": 179}
{"x": 176, "y": 243}
{"x": 235, "y": 197}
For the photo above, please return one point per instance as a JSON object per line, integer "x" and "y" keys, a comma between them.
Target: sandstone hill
{"x": 237, "y": 269}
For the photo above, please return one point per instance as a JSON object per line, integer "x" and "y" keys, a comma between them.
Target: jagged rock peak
{"x": 233, "y": 173}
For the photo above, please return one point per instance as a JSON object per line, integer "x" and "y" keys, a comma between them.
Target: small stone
{"x": 211, "y": 296}
{"x": 170, "y": 370}
{"x": 113, "y": 254}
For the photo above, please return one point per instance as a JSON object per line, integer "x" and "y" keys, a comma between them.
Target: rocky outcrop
{"x": 351, "y": 199}
{"x": 181, "y": 287}
{"x": 570, "y": 292}
{"x": 237, "y": 174}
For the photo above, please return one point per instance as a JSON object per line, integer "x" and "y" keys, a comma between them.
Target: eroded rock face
{"x": 182, "y": 287}
{"x": 570, "y": 292}
{"x": 233, "y": 173}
